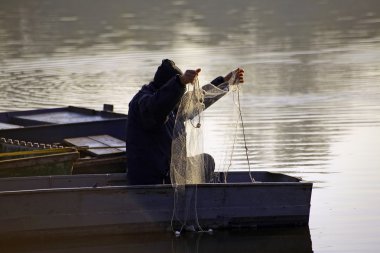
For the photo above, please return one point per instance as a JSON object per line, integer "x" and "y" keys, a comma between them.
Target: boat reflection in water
{"x": 261, "y": 240}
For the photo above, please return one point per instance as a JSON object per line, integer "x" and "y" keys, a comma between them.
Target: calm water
{"x": 311, "y": 101}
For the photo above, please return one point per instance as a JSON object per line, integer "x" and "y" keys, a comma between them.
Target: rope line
{"x": 54, "y": 150}
{"x": 244, "y": 138}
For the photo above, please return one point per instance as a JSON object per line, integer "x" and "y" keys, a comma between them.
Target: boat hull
{"x": 105, "y": 205}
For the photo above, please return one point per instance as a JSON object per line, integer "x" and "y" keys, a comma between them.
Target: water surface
{"x": 310, "y": 102}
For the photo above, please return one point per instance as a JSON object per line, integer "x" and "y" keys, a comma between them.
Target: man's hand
{"x": 189, "y": 76}
{"x": 237, "y": 74}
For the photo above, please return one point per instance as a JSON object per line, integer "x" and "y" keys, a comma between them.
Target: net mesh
{"x": 189, "y": 164}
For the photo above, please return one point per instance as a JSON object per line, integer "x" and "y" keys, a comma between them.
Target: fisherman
{"x": 151, "y": 120}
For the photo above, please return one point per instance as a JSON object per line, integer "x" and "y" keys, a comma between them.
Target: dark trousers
{"x": 142, "y": 178}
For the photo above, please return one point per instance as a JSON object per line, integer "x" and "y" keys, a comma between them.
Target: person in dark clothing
{"x": 151, "y": 119}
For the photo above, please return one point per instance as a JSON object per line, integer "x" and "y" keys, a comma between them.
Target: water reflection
{"x": 267, "y": 240}
{"x": 312, "y": 72}
{"x": 55, "y": 28}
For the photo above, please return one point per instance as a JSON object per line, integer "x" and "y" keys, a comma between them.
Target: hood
{"x": 166, "y": 71}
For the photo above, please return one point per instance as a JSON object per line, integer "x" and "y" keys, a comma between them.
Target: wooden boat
{"x": 54, "y": 163}
{"x": 47, "y": 128}
{"x": 54, "y": 125}
{"x": 26, "y": 159}
{"x": 104, "y": 203}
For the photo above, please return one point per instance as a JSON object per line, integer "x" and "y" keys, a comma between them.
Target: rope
{"x": 53, "y": 150}
{"x": 244, "y": 138}
{"x": 233, "y": 144}
{"x": 236, "y": 84}
{"x": 196, "y": 209}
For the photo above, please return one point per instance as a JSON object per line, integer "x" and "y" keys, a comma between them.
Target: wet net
{"x": 190, "y": 166}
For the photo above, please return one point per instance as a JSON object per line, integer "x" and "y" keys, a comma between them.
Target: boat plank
{"x": 62, "y": 117}
{"x": 109, "y": 141}
{"x": 92, "y": 143}
{"x": 53, "y": 164}
{"x": 61, "y": 181}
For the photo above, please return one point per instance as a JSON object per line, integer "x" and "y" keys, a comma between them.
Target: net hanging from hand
{"x": 189, "y": 165}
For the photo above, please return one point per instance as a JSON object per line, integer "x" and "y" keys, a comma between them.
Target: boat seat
{"x": 98, "y": 145}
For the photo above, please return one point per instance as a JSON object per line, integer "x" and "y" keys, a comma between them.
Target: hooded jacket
{"x": 149, "y": 133}
{"x": 151, "y": 120}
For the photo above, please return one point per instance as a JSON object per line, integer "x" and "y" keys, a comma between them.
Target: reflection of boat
{"x": 294, "y": 240}
{"x": 103, "y": 203}
{"x": 263, "y": 240}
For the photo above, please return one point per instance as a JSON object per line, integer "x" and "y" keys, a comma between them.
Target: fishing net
{"x": 234, "y": 143}
{"x": 188, "y": 160}
{"x": 189, "y": 164}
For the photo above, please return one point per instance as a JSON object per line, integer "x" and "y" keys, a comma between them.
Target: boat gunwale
{"x": 168, "y": 187}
